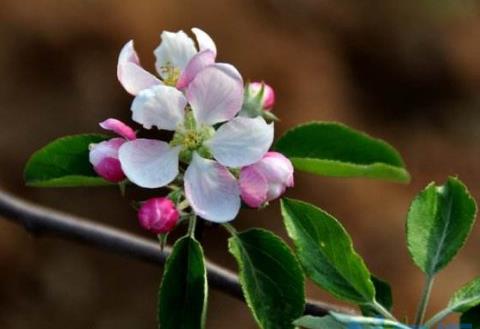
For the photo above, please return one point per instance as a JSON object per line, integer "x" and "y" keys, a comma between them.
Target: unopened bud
{"x": 104, "y": 158}
{"x": 263, "y": 92}
{"x": 158, "y": 215}
{"x": 259, "y": 100}
{"x": 266, "y": 179}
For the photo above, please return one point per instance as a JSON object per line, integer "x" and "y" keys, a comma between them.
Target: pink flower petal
{"x": 119, "y": 128}
{"x": 211, "y": 190}
{"x": 230, "y": 70}
{"x": 149, "y": 163}
{"x": 253, "y": 187}
{"x": 278, "y": 171}
{"x": 130, "y": 74}
{"x": 197, "y": 63}
{"x": 215, "y": 96}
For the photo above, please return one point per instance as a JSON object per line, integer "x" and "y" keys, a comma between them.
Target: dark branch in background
{"x": 43, "y": 221}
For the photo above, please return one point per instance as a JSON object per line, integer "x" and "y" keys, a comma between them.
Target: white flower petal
{"x": 241, "y": 141}
{"x": 130, "y": 73}
{"x": 176, "y": 49}
{"x": 215, "y": 96}
{"x": 212, "y": 190}
{"x": 160, "y": 106}
{"x": 149, "y": 163}
{"x": 204, "y": 40}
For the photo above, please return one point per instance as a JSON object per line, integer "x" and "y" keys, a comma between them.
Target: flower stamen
{"x": 171, "y": 74}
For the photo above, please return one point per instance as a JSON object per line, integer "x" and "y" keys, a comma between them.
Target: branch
{"x": 44, "y": 221}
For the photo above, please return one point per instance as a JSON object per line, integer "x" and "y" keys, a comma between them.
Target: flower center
{"x": 170, "y": 74}
{"x": 191, "y": 138}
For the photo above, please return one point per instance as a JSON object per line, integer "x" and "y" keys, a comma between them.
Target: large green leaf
{"x": 326, "y": 252}
{"x": 333, "y": 149}
{"x": 183, "y": 292}
{"x": 439, "y": 221}
{"x": 271, "y": 278}
{"x": 472, "y": 318}
{"x": 64, "y": 163}
{"x": 383, "y": 295}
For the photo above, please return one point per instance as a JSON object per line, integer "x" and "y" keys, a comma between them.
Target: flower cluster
{"x": 219, "y": 153}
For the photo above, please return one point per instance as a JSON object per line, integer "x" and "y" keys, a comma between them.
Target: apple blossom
{"x": 158, "y": 215}
{"x": 208, "y": 138}
{"x": 104, "y": 156}
{"x": 175, "y": 52}
{"x": 266, "y": 179}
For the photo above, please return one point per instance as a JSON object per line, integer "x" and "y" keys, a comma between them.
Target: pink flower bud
{"x": 268, "y": 97}
{"x": 158, "y": 215}
{"x": 104, "y": 158}
{"x": 266, "y": 179}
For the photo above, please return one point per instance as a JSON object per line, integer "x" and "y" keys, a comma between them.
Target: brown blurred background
{"x": 405, "y": 71}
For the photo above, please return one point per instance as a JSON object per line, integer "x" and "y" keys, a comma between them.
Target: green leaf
{"x": 271, "y": 278}
{"x": 315, "y": 322}
{"x": 439, "y": 222}
{"x": 472, "y": 318}
{"x": 344, "y": 321}
{"x": 383, "y": 295}
{"x": 64, "y": 163}
{"x": 183, "y": 292}
{"x": 466, "y": 298}
{"x": 326, "y": 252}
{"x": 367, "y": 323}
{"x": 333, "y": 149}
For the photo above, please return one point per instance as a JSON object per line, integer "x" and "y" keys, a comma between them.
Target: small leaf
{"x": 466, "y": 298}
{"x": 354, "y": 321}
{"x": 439, "y": 222}
{"x": 326, "y": 252}
{"x": 333, "y": 149}
{"x": 383, "y": 295}
{"x": 271, "y": 278}
{"x": 471, "y": 318}
{"x": 183, "y": 292}
{"x": 64, "y": 163}
{"x": 315, "y": 322}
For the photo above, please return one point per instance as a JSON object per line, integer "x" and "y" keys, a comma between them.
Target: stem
{"x": 191, "y": 226}
{"x": 47, "y": 222}
{"x": 437, "y": 318}
{"x": 123, "y": 188}
{"x": 232, "y": 230}
{"x": 162, "y": 240}
{"x": 422, "y": 307}
{"x": 383, "y": 311}
{"x": 183, "y": 205}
